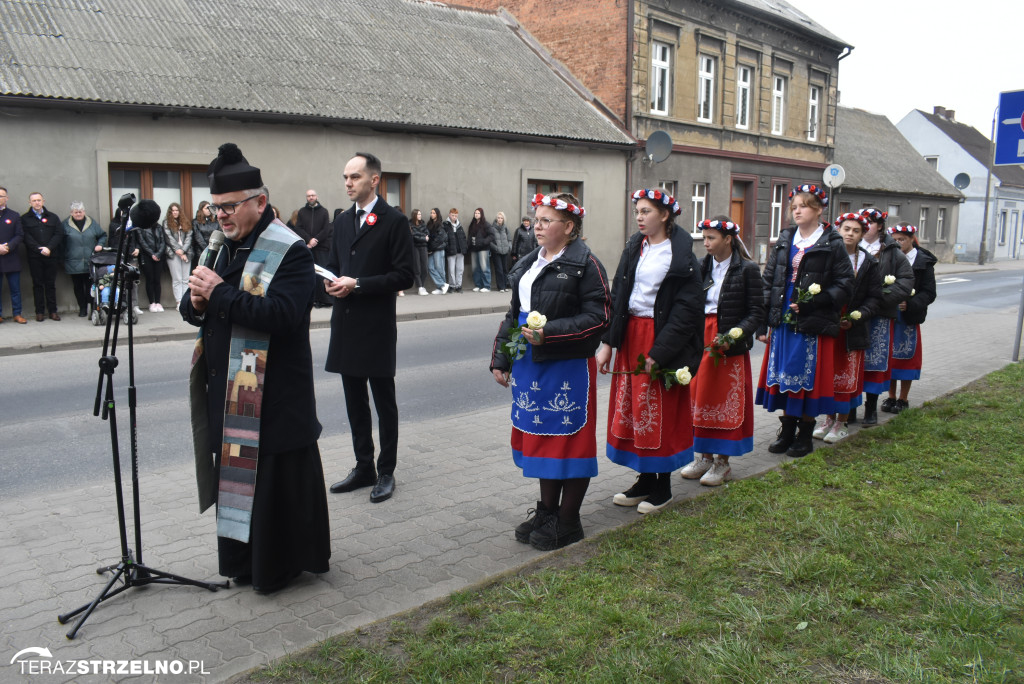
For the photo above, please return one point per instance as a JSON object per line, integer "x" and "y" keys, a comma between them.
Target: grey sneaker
{"x": 720, "y": 472}
{"x": 694, "y": 470}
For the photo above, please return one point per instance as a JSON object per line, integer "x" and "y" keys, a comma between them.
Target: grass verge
{"x": 896, "y": 556}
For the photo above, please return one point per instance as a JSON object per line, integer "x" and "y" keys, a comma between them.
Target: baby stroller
{"x": 101, "y": 267}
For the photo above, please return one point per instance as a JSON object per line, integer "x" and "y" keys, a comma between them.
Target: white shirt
{"x": 368, "y": 209}
{"x": 526, "y": 282}
{"x": 804, "y": 243}
{"x": 872, "y": 247}
{"x": 651, "y": 270}
{"x": 718, "y": 271}
{"x": 911, "y": 255}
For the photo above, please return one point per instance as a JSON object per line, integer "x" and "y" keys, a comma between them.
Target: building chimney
{"x": 939, "y": 111}
{"x": 951, "y": 114}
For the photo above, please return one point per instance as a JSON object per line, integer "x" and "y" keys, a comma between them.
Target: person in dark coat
{"x": 43, "y": 239}
{"x": 559, "y": 309}
{"x": 252, "y": 381}
{"x": 82, "y": 238}
{"x": 436, "y": 243}
{"x": 372, "y": 255}
{"x": 523, "y": 240}
{"x": 203, "y": 226}
{"x": 848, "y": 357}
{"x": 420, "y": 241}
{"x": 313, "y": 224}
{"x": 657, "y": 313}
{"x": 723, "y": 390}
{"x": 481, "y": 237}
{"x": 456, "y": 249}
{"x": 907, "y": 347}
{"x": 152, "y": 250}
{"x": 797, "y": 372}
{"x": 11, "y": 236}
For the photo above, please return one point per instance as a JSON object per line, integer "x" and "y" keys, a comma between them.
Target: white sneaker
{"x": 476, "y": 289}
{"x": 159, "y": 307}
{"x": 138, "y": 311}
{"x": 823, "y": 427}
{"x": 444, "y": 288}
{"x": 839, "y": 431}
{"x": 401, "y": 293}
{"x": 436, "y": 291}
{"x": 720, "y": 472}
{"x": 485, "y": 289}
{"x": 152, "y": 307}
{"x": 422, "y": 291}
{"x": 694, "y": 470}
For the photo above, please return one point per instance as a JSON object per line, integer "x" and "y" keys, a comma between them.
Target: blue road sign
{"x": 1010, "y": 129}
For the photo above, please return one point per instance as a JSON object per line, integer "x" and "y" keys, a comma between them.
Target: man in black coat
{"x": 266, "y": 320}
{"x": 313, "y": 224}
{"x": 372, "y": 255}
{"x": 44, "y": 236}
{"x": 11, "y": 236}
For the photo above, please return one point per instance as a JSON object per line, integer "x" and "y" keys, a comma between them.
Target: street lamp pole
{"x": 988, "y": 191}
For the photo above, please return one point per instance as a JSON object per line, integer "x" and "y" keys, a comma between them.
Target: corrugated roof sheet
{"x": 877, "y": 157}
{"x": 977, "y": 145}
{"x": 389, "y": 61}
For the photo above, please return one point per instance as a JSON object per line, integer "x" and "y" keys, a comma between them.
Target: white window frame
{"x": 699, "y": 202}
{"x": 661, "y": 76}
{"x": 940, "y": 224}
{"x": 778, "y": 104}
{"x": 813, "y": 112}
{"x": 922, "y": 224}
{"x": 744, "y": 76}
{"x": 705, "y": 88}
{"x": 669, "y": 187}
{"x": 778, "y": 217}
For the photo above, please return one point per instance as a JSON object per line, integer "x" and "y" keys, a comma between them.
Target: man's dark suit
{"x": 364, "y": 331}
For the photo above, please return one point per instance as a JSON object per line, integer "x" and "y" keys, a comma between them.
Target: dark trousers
{"x": 151, "y": 273}
{"x": 44, "y": 283}
{"x": 81, "y": 284}
{"x": 14, "y": 285}
{"x": 357, "y": 403}
{"x": 320, "y": 296}
{"x": 499, "y": 271}
{"x": 421, "y": 266}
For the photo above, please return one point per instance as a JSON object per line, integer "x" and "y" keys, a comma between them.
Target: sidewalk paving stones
{"x": 448, "y": 527}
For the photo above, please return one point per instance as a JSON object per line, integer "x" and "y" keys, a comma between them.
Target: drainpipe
{"x": 988, "y": 191}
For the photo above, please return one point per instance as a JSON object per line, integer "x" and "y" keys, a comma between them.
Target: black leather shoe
{"x": 384, "y": 488}
{"x": 357, "y": 479}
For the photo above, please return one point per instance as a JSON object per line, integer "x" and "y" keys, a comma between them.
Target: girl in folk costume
{"x": 848, "y": 382}
{"x": 894, "y": 267}
{"x": 723, "y": 394}
{"x": 906, "y": 334}
{"x": 657, "y": 307}
{"x": 807, "y": 280}
{"x": 544, "y": 351}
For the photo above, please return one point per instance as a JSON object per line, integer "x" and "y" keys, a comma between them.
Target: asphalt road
{"x": 52, "y": 440}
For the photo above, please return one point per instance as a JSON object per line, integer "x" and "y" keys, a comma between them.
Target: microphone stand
{"x": 129, "y": 570}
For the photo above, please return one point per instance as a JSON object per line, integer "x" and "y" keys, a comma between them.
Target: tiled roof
{"x": 785, "y": 13}
{"x": 877, "y": 157}
{"x": 977, "y": 145}
{"x": 398, "y": 62}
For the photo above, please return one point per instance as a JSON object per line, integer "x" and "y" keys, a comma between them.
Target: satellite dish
{"x": 658, "y": 146}
{"x": 834, "y": 175}
{"x": 961, "y": 181}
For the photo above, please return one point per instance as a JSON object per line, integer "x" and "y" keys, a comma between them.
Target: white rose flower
{"x": 890, "y": 279}
{"x": 736, "y": 333}
{"x": 814, "y": 289}
{"x": 536, "y": 320}
{"x": 683, "y": 375}
{"x": 913, "y": 292}
{"x": 855, "y": 315}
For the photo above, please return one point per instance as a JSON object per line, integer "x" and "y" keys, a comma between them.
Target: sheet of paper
{"x": 321, "y": 271}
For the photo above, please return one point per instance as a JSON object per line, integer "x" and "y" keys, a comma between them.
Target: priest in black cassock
{"x": 254, "y": 420}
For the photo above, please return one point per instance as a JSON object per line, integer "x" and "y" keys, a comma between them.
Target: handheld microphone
{"x": 212, "y": 248}
{"x": 145, "y": 214}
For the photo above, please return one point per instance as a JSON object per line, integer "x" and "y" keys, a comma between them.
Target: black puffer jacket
{"x": 523, "y": 242}
{"x": 867, "y": 298}
{"x": 572, "y": 291}
{"x": 825, "y": 263}
{"x": 740, "y": 301}
{"x": 436, "y": 238}
{"x": 151, "y": 242}
{"x": 456, "y": 239}
{"x": 924, "y": 284}
{"x": 420, "y": 236}
{"x": 678, "y": 306}
{"x": 892, "y": 261}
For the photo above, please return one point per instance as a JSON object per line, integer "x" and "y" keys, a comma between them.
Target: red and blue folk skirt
{"x": 906, "y": 350}
{"x": 798, "y": 373}
{"x": 878, "y": 356}
{"x": 848, "y": 382}
{"x": 723, "y": 401}
{"x": 650, "y": 428}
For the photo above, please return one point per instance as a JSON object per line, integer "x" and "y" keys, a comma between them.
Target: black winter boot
{"x": 539, "y": 516}
{"x": 870, "y": 410}
{"x": 785, "y": 435}
{"x": 803, "y": 444}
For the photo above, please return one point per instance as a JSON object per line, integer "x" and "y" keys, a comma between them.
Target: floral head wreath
{"x": 874, "y": 215}
{"x": 910, "y": 230}
{"x": 861, "y": 218}
{"x": 559, "y": 204}
{"x": 658, "y": 196}
{"x": 724, "y": 226}
{"x": 814, "y": 190}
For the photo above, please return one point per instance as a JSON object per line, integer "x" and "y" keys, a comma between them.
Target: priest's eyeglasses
{"x": 230, "y": 207}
